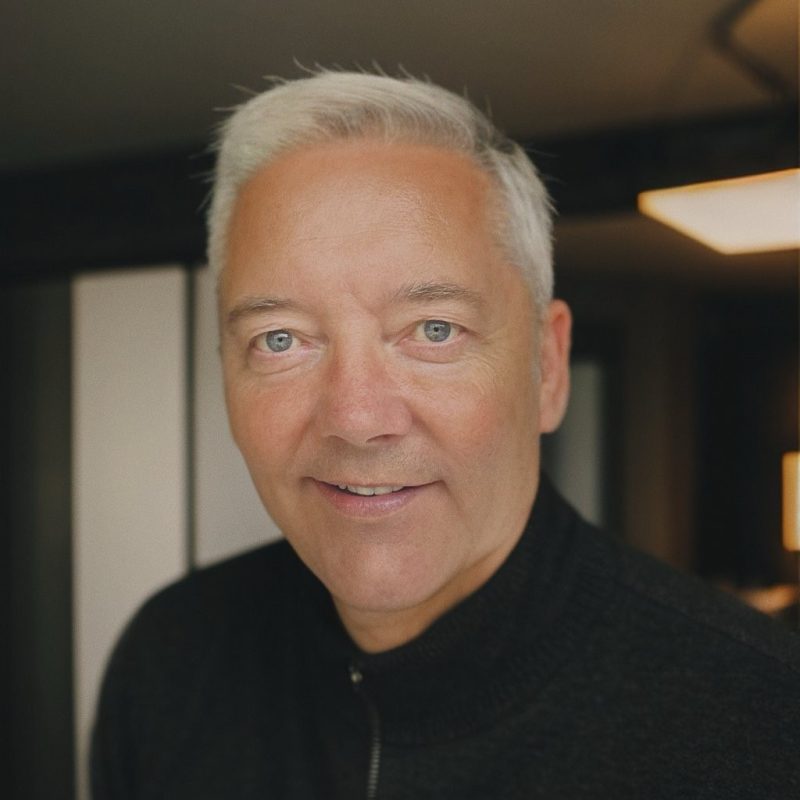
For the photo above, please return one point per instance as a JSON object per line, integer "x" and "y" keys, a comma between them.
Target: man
{"x": 439, "y": 623}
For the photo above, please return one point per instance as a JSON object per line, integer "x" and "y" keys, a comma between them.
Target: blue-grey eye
{"x": 437, "y": 330}
{"x": 278, "y": 341}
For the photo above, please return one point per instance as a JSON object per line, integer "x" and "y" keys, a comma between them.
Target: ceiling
{"x": 94, "y": 78}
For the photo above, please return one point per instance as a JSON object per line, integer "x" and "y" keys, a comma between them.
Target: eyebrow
{"x": 251, "y": 306}
{"x": 426, "y": 292}
{"x": 431, "y": 292}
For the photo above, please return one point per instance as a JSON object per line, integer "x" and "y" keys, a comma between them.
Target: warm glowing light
{"x": 742, "y": 215}
{"x": 791, "y": 501}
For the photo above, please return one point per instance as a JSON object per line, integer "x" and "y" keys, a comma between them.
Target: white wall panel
{"x": 229, "y": 516}
{"x": 129, "y": 498}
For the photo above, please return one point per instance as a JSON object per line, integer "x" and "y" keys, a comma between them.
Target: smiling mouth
{"x": 367, "y": 491}
{"x": 369, "y": 501}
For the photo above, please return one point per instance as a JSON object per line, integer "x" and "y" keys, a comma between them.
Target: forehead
{"x": 347, "y": 207}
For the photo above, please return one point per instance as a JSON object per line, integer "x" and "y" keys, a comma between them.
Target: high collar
{"x": 493, "y": 650}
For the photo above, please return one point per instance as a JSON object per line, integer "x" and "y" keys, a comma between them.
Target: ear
{"x": 554, "y": 365}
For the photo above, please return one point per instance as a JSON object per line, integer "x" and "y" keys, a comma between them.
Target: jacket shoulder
{"x": 222, "y": 596}
{"x": 702, "y": 614}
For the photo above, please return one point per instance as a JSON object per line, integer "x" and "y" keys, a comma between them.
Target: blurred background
{"x": 117, "y": 475}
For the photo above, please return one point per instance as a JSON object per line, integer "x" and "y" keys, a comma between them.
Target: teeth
{"x": 369, "y": 491}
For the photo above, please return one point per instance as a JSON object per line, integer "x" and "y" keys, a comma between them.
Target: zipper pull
{"x": 356, "y": 676}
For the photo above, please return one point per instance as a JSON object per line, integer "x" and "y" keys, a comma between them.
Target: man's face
{"x": 374, "y": 338}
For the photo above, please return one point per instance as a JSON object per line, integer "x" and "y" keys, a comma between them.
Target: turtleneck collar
{"x": 490, "y": 652}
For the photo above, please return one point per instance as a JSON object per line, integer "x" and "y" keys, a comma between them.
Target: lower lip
{"x": 377, "y": 505}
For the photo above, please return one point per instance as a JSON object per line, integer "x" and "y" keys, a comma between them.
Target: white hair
{"x": 330, "y": 106}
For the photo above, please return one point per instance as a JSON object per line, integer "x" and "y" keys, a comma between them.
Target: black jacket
{"x": 580, "y": 670}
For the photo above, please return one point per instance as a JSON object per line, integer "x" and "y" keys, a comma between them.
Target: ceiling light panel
{"x": 757, "y": 213}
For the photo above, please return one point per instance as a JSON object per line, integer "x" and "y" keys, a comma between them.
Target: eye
{"x": 275, "y": 341}
{"x": 437, "y": 330}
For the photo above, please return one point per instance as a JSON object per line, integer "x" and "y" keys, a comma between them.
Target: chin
{"x": 380, "y": 600}
{"x": 382, "y": 588}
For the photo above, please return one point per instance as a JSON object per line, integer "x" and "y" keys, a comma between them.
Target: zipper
{"x": 373, "y": 771}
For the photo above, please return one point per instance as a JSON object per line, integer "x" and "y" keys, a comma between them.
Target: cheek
{"x": 483, "y": 419}
{"x": 264, "y": 425}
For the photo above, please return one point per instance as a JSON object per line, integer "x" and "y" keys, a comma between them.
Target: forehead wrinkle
{"x": 364, "y": 232}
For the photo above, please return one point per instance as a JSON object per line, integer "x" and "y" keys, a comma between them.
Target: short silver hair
{"x": 330, "y": 106}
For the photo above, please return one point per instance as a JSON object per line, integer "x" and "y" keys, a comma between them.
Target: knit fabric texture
{"x": 581, "y": 669}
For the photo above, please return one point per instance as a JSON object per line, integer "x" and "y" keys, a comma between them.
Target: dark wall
{"x": 700, "y": 417}
{"x": 35, "y": 559}
{"x": 747, "y": 377}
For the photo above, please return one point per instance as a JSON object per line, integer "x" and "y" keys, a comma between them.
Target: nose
{"x": 362, "y": 401}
